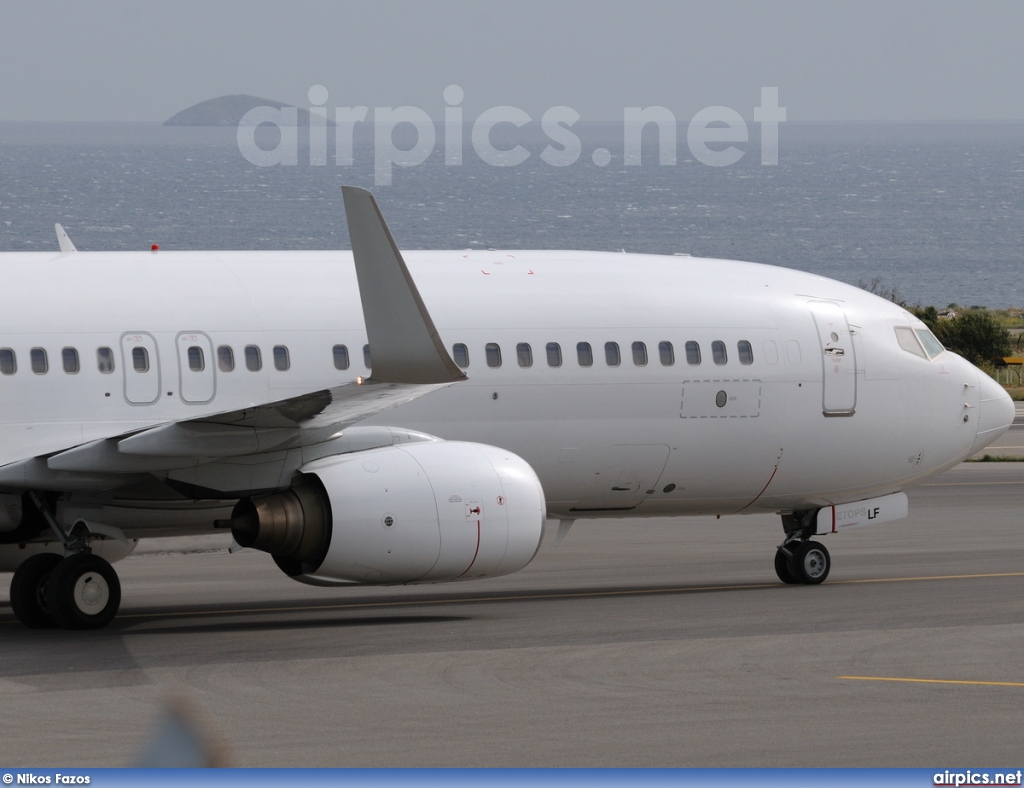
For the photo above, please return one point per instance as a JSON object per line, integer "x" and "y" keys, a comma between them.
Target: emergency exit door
{"x": 141, "y": 365}
{"x": 196, "y": 367}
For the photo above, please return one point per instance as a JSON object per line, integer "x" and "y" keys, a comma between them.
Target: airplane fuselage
{"x": 700, "y": 386}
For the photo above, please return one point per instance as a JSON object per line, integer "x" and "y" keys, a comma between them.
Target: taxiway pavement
{"x": 665, "y": 642}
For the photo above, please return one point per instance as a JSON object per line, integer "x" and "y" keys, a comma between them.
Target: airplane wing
{"x": 409, "y": 361}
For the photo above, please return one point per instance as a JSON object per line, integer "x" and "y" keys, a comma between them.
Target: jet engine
{"x": 418, "y": 513}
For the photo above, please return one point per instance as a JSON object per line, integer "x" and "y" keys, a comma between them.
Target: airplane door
{"x": 624, "y": 475}
{"x": 141, "y": 365}
{"x": 838, "y": 359}
{"x": 196, "y": 367}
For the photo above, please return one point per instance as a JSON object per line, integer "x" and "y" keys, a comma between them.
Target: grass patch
{"x": 997, "y": 458}
{"x": 1016, "y": 393}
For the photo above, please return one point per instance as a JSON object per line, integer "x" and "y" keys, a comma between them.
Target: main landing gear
{"x": 798, "y": 559}
{"x": 80, "y": 591}
{"x": 77, "y": 591}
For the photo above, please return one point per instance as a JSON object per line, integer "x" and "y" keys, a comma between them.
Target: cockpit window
{"x": 932, "y": 346}
{"x": 908, "y": 341}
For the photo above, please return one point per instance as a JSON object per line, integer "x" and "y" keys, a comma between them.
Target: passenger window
{"x": 746, "y": 352}
{"x": 639, "y": 354}
{"x": 667, "y": 354}
{"x": 105, "y": 360}
{"x": 771, "y": 352}
{"x": 692, "y": 354}
{"x": 461, "y": 354}
{"x": 69, "y": 358}
{"x": 524, "y": 354}
{"x": 584, "y": 355}
{"x": 8, "y": 361}
{"x": 611, "y": 354}
{"x": 718, "y": 354}
{"x": 196, "y": 361}
{"x": 253, "y": 358}
{"x": 40, "y": 364}
{"x": 225, "y": 358}
{"x": 340, "y": 353}
{"x": 493, "y": 354}
{"x": 140, "y": 359}
{"x": 554, "y": 351}
{"x": 367, "y": 361}
{"x": 282, "y": 361}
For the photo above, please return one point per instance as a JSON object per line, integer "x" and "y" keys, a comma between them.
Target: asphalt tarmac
{"x": 664, "y": 642}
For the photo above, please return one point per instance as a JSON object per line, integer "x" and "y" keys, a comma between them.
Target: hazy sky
{"x": 866, "y": 60}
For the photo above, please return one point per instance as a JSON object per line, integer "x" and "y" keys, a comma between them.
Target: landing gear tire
{"x": 810, "y": 563}
{"x": 782, "y": 567}
{"x": 28, "y": 590}
{"x": 83, "y": 592}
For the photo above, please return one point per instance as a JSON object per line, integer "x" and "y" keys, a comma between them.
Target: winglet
{"x": 404, "y": 342}
{"x": 63, "y": 240}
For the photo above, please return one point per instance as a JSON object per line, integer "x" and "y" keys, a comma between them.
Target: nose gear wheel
{"x": 806, "y": 563}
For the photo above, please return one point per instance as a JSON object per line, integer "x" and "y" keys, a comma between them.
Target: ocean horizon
{"x": 935, "y": 211}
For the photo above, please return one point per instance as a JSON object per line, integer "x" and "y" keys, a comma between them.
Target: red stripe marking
{"x": 763, "y": 488}
{"x": 475, "y": 552}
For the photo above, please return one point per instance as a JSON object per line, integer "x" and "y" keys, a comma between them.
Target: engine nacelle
{"x": 418, "y": 513}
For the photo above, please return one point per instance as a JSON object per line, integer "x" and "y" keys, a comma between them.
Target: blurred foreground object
{"x": 183, "y": 738}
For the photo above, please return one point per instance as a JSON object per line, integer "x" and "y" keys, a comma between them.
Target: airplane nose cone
{"x": 995, "y": 412}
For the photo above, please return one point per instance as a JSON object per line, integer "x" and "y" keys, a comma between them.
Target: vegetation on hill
{"x": 975, "y": 334}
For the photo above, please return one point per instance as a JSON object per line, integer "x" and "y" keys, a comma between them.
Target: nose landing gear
{"x": 799, "y": 560}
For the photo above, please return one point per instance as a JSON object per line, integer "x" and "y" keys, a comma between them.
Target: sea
{"x": 933, "y": 213}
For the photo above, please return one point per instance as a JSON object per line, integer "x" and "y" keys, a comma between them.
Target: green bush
{"x": 976, "y": 336}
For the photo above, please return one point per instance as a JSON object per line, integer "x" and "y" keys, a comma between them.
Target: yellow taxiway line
{"x": 934, "y": 681}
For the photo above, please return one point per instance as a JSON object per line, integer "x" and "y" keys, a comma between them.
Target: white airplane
{"x": 172, "y": 393}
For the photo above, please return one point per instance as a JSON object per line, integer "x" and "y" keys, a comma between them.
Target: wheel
{"x": 28, "y": 590}
{"x": 810, "y": 563}
{"x": 782, "y": 567}
{"x": 83, "y": 592}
